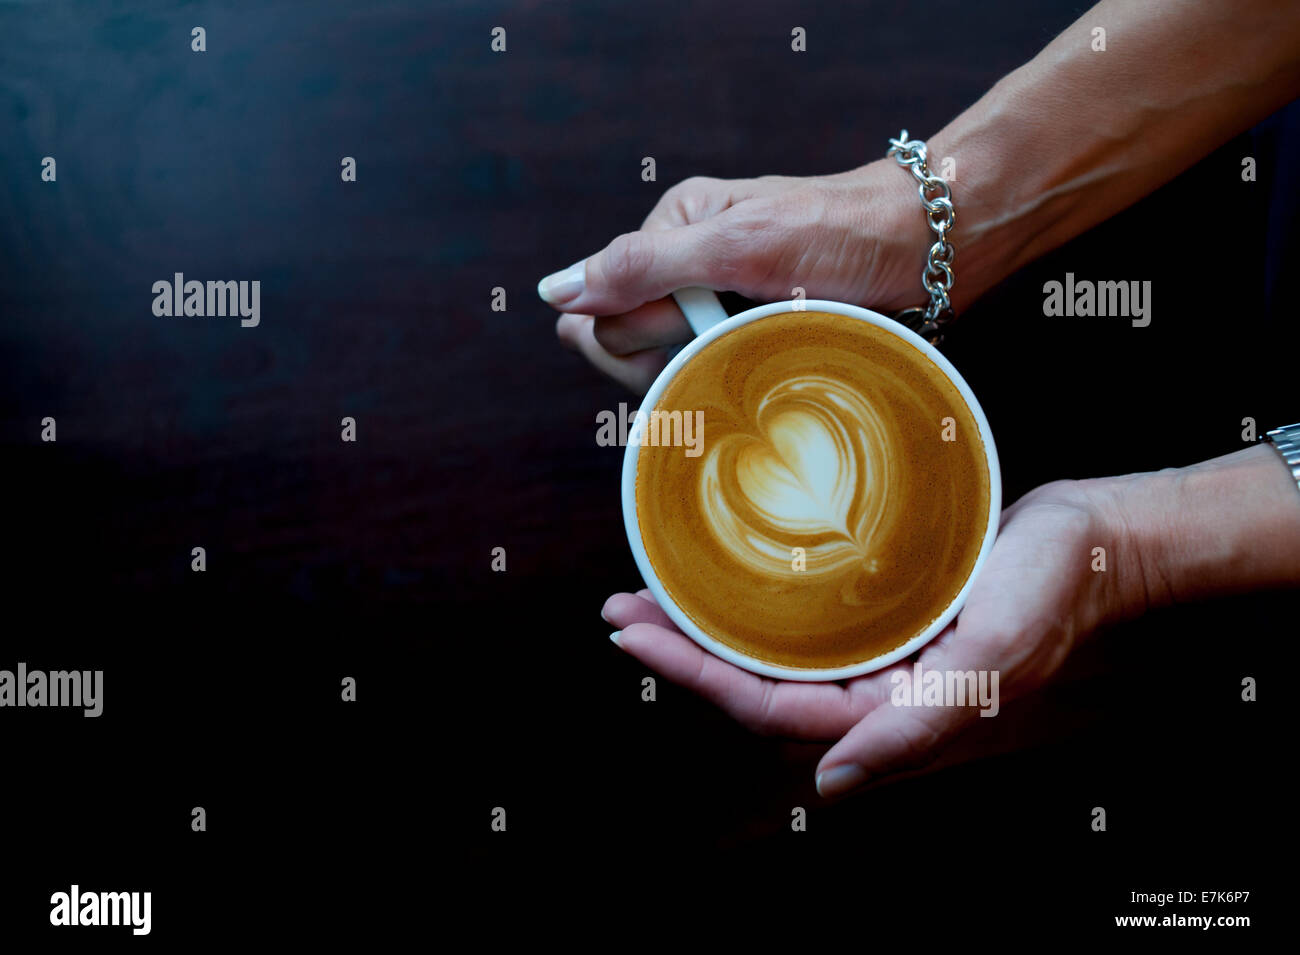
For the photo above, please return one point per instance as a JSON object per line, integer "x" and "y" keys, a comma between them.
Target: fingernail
{"x": 838, "y": 780}
{"x": 614, "y": 636}
{"x": 563, "y": 286}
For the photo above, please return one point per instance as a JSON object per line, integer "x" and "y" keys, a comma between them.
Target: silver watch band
{"x": 1287, "y": 441}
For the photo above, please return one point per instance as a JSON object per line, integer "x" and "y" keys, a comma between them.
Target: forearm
{"x": 1228, "y": 525}
{"x": 1076, "y": 135}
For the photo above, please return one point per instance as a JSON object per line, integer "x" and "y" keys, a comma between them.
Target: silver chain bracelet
{"x": 929, "y": 320}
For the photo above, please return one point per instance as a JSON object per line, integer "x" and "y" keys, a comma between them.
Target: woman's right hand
{"x": 858, "y": 237}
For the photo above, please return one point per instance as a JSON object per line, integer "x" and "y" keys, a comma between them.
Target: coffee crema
{"x": 827, "y": 521}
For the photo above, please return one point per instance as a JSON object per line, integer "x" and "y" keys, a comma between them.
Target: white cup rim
{"x": 689, "y": 627}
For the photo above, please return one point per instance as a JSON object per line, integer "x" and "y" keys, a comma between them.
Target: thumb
{"x": 889, "y": 739}
{"x": 639, "y": 267}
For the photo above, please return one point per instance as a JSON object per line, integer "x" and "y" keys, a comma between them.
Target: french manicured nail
{"x": 564, "y": 286}
{"x": 614, "y": 636}
{"x": 838, "y": 780}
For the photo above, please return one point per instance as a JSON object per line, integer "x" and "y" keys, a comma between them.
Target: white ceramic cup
{"x": 710, "y": 322}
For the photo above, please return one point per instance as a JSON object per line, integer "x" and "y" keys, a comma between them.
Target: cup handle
{"x": 701, "y": 308}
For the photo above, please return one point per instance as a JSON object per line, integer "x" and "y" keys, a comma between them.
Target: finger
{"x": 654, "y": 325}
{"x": 636, "y": 371}
{"x": 623, "y": 610}
{"x": 694, "y": 200}
{"x": 888, "y": 740}
{"x": 893, "y": 738}
{"x": 639, "y": 267}
{"x": 803, "y": 710}
{"x": 703, "y": 197}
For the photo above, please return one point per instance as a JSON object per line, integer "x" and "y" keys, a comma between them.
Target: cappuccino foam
{"x": 827, "y": 520}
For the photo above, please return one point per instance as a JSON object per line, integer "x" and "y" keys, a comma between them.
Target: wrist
{"x": 994, "y": 211}
{"x": 1002, "y": 186}
{"x": 1129, "y": 530}
{"x": 887, "y": 213}
{"x": 896, "y": 222}
{"x": 1222, "y": 526}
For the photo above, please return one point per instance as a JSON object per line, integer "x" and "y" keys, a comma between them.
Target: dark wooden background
{"x": 371, "y": 560}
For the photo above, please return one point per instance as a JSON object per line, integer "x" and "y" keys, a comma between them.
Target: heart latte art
{"x": 827, "y": 520}
{"x": 815, "y": 472}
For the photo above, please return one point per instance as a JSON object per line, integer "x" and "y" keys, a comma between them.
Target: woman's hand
{"x": 1227, "y": 525}
{"x": 856, "y": 237}
{"x": 1055, "y": 147}
{"x": 1035, "y": 597}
